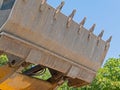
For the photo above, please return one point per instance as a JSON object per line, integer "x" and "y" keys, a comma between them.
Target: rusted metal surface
{"x": 34, "y": 54}
{"x": 39, "y": 34}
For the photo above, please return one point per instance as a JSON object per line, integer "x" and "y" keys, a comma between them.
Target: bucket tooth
{"x": 83, "y": 21}
{"x": 109, "y": 40}
{"x": 101, "y": 34}
{"x": 81, "y": 24}
{"x": 58, "y": 9}
{"x": 108, "y": 43}
{"x": 70, "y": 18}
{"x": 92, "y": 28}
{"x": 41, "y": 4}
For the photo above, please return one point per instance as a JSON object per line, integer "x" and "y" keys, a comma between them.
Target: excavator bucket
{"x": 32, "y": 31}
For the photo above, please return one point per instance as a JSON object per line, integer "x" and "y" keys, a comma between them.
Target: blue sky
{"x": 104, "y": 13}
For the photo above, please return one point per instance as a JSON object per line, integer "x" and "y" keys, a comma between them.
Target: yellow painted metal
{"x": 5, "y": 72}
{"x": 21, "y": 82}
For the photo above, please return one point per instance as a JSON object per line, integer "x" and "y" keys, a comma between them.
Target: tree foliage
{"x": 108, "y": 77}
{"x": 3, "y": 59}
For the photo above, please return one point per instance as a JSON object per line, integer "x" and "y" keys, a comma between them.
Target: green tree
{"x": 108, "y": 77}
{"x": 3, "y": 59}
